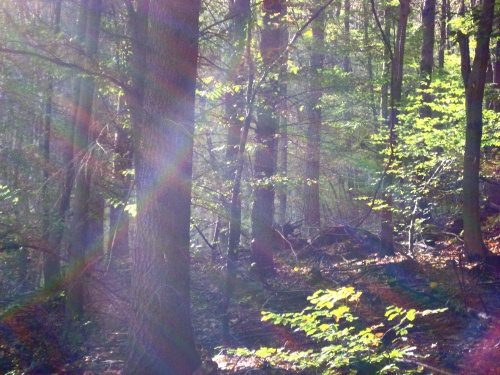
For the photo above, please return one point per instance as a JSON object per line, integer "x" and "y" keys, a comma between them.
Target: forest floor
{"x": 463, "y": 340}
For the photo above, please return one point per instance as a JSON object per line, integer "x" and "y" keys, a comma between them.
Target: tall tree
{"x": 397, "y": 63}
{"x": 443, "y": 32}
{"x": 236, "y": 139}
{"x": 474, "y": 78}
{"x": 161, "y": 337}
{"x": 312, "y": 212}
{"x": 51, "y": 266}
{"x": 427, "y": 56}
{"x": 80, "y": 241}
{"x": 265, "y": 137}
{"x": 283, "y": 120}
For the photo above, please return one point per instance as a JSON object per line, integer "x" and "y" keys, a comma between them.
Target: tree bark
{"x": 312, "y": 212}
{"x": 496, "y": 76}
{"x": 236, "y": 142}
{"x": 427, "y": 56}
{"x": 474, "y": 81}
{"x": 80, "y": 242}
{"x": 262, "y": 215}
{"x": 387, "y": 225}
{"x": 283, "y": 122}
{"x": 442, "y": 33}
{"x": 161, "y": 337}
{"x": 67, "y": 177}
{"x": 51, "y": 265}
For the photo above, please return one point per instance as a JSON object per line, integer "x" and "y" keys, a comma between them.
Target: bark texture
{"x": 474, "y": 78}
{"x": 427, "y": 56}
{"x": 312, "y": 212}
{"x": 387, "y": 225}
{"x": 265, "y": 136}
{"x": 80, "y": 241}
{"x": 161, "y": 337}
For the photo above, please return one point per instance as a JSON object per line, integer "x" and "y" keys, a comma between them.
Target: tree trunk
{"x": 67, "y": 147}
{"x": 236, "y": 141}
{"x": 51, "y": 265}
{"x": 262, "y": 215}
{"x": 384, "y": 94}
{"x": 474, "y": 80}
{"x": 161, "y": 337}
{"x": 312, "y": 212}
{"x": 118, "y": 246}
{"x": 387, "y": 226}
{"x": 427, "y": 56}
{"x": 347, "y": 35}
{"x": 369, "y": 59}
{"x": 442, "y": 33}
{"x": 283, "y": 122}
{"x": 79, "y": 245}
{"x": 496, "y": 76}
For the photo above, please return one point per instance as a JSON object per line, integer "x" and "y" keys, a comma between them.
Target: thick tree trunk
{"x": 265, "y": 136}
{"x": 80, "y": 243}
{"x": 312, "y": 212}
{"x": 474, "y": 80}
{"x": 161, "y": 337}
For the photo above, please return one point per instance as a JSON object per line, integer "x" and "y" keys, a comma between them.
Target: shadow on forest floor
{"x": 463, "y": 340}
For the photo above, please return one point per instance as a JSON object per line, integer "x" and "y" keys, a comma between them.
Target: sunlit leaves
{"x": 329, "y": 320}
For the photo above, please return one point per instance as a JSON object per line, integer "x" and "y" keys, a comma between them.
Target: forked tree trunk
{"x": 161, "y": 339}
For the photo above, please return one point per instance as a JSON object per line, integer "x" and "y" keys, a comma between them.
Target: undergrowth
{"x": 346, "y": 346}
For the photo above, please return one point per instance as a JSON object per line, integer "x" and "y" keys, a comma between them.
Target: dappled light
{"x": 209, "y": 187}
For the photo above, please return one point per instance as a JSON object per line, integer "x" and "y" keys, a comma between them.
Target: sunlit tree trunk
{"x": 474, "y": 78}
{"x": 161, "y": 339}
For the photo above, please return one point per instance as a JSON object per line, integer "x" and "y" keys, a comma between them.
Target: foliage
{"x": 347, "y": 343}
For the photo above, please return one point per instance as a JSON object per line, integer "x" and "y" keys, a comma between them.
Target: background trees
{"x": 110, "y": 119}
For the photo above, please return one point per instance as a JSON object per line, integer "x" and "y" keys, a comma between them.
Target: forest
{"x": 249, "y": 187}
